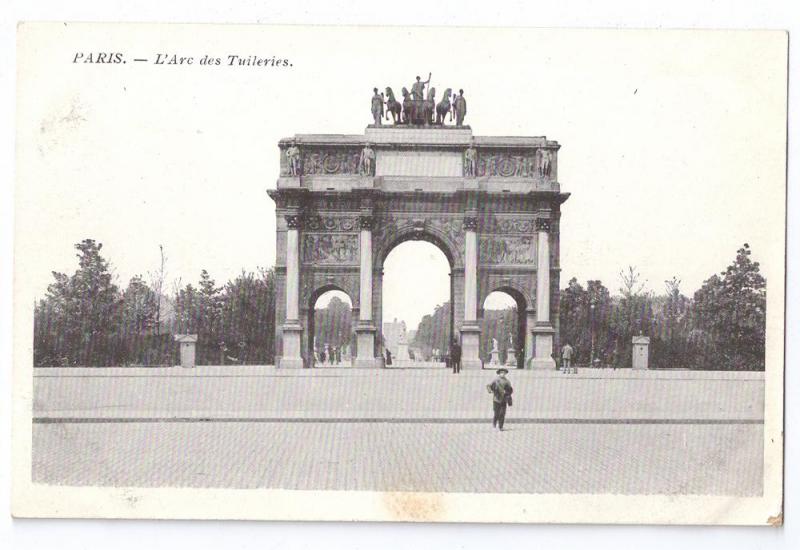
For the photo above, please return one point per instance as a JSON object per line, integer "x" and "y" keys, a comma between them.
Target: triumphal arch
{"x": 491, "y": 204}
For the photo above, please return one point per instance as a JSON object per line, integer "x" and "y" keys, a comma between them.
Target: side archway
{"x": 504, "y": 317}
{"x": 329, "y": 329}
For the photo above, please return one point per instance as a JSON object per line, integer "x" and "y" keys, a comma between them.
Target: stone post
{"x": 365, "y": 330}
{"x": 543, "y": 329}
{"x": 187, "y": 344}
{"x": 292, "y": 329}
{"x": 639, "y": 361}
{"x": 470, "y": 330}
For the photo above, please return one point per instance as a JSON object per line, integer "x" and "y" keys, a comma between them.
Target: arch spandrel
{"x": 518, "y": 287}
{"x": 447, "y": 234}
{"x": 317, "y": 284}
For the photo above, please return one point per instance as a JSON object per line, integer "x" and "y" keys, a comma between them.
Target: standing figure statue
{"x": 470, "y": 161}
{"x": 392, "y": 106}
{"x": 429, "y": 106}
{"x": 460, "y": 104}
{"x": 293, "y": 156}
{"x": 443, "y": 107}
{"x": 544, "y": 162}
{"x": 366, "y": 162}
{"x": 418, "y": 89}
{"x": 377, "y": 107}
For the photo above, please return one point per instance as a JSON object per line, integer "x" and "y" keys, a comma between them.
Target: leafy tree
{"x": 210, "y": 308}
{"x": 333, "y": 324}
{"x": 434, "y": 331}
{"x": 730, "y": 310}
{"x": 249, "y": 316}
{"x": 140, "y": 305}
{"x": 80, "y": 313}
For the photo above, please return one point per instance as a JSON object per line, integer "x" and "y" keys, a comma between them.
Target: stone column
{"x": 470, "y": 330}
{"x": 543, "y": 329}
{"x": 292, "y": 329}
{"x": 365, "y": 330}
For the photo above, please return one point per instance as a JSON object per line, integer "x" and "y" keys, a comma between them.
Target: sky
{"x": 673, "y": 143}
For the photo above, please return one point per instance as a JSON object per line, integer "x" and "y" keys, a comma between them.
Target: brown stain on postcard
{"x": 414, "y": 506}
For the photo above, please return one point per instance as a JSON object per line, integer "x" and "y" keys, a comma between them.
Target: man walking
{"x": 501, "y": 391}
{"x": 566, "y": 359}
{"x": 455, "y": 356}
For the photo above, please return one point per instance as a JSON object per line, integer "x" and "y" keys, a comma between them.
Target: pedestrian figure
{"x": 455, "y": 356}
{"x": 566, "y": 359}
{"x": 388, "y": 357}
{"x": 322, "y": 357}
{"x": 501, "y": 391}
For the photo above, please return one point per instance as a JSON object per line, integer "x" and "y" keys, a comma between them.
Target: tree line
{"x": 85, "y": 319}
{"x": 721, "y": 327}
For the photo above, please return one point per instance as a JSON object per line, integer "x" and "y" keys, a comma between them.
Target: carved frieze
{"x": 521, "y": 164}
{"x": 316, "y": 222}
{"x": 330, "y": 248}
{"x": 507, "y": 250}
{"x": 523, "y": 226}
{"x": 330, "y": 161}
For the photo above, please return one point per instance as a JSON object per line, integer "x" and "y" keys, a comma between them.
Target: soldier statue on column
{"x": 366, "y": 162}
{"x": 293, "y": 156}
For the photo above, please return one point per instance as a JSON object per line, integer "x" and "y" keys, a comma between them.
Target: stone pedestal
{"x": 640, "y": 357}
{"x": 511, "y": 359}
{"x": 470, "y": 347}
{"x": 365, "y": 335}
{"x": 292, "y": 338}
{"x": 543, "y": 348}
{"x": 494, "y": 357}
{"x": 402, "y": 352}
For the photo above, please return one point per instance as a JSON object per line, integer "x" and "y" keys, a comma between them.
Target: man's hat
{"x": 502, "y": 371}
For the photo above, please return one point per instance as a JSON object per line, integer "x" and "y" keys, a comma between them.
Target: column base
{"x": 542, "y": 364}
{"x": 292, "y": 337}
{"x": 365, "y": 337}
{"x": 470, "y": 347}
{"x": 543, "y": 347}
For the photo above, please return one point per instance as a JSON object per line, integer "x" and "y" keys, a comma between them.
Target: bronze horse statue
{"x": 443, "y": 107}
{"x": 393, "y": 106}
{"x": 429, "y": 106}
{"x": 408, "y": 107}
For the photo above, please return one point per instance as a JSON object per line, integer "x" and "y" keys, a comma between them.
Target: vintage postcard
{"x": 399, "y": 274}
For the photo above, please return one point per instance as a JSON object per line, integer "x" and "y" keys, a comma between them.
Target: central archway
{"x": 416, "y": 319}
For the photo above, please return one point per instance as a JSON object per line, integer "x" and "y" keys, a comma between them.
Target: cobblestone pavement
{"x": 424, "y": 430}
{"x": 371, "y": 393}
{"x": 466, "y": 457}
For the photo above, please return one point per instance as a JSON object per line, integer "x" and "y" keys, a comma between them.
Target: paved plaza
{"x": 601, "y": 431}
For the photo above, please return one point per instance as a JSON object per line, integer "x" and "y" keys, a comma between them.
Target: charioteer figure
{"x": 418, "y": 89}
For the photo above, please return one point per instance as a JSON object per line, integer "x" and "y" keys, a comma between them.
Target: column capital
{"x": 543, "y": 224}
{"x": 366, "y": 222}
{"x": 293, "y": 221}
{"x": 470, "y": 223}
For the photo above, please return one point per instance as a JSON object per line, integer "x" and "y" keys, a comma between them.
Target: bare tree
{"x": 673, "y": 286}
{"x": 157, "y": 284}
{"x": 632, "y": 284}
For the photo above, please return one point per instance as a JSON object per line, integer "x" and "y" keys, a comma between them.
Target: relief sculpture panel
{"x": 509, "y": 250}
{"x": 330, "y": 249}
